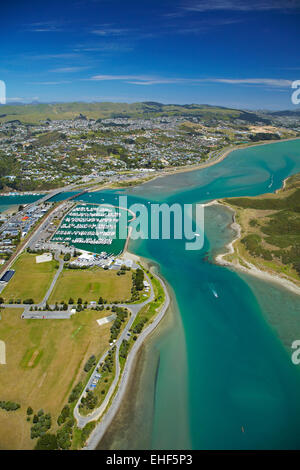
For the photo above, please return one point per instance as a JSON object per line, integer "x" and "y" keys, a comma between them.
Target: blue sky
{"x": 238, "y": 53}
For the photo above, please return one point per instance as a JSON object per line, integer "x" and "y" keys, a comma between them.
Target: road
{"x": 59, "y": 270}
{"x": 31, "y": 204}
{"x": 134, "y": 309}
{"x": 31, "y": 238}
{"x": 106, "y": 420}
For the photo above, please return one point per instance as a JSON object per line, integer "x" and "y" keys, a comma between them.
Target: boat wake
{"x": 272, "y": 181}
{"x": 213, "y": 290}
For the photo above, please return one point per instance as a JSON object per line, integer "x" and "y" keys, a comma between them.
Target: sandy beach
{"x": 250, "y": 269}
{"x": 8, "y": 212}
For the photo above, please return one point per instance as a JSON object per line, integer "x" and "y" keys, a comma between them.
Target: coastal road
{"x": 96, "y": 414}
{"x": 106, "y": 420}
{"x": 109, "y": 413}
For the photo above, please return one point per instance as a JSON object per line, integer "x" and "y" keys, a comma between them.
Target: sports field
{"x": 31, "y": 280}
{"x": 44, "y": 361}
{"x": 91, "y": 284}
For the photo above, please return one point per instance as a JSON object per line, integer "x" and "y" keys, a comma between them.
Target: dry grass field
{"x": 30, "y": 280}
{"x": 45, "y": 360}
{"x": 91, "y": 284}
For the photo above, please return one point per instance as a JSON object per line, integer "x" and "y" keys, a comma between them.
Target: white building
{"x": 44, "y": 258}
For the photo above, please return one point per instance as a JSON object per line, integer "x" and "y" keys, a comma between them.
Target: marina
{"x": 94, "y": 228}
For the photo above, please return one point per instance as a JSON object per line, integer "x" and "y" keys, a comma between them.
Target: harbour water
{"x": 14, "y": 200}
{"x": 231, "y": 375}
{"x": 217, "y": 374}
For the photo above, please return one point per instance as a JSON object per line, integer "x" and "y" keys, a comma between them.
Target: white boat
{"x": 213, "y": 290}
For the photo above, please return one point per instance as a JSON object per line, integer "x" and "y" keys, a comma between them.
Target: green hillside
{"x": 33, "y": 113}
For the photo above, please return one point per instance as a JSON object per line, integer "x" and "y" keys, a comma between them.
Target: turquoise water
{"x": 8, "y": 201}
{"x": 225, "y": 363}
{"x": 239, "y": 372}
{"x": 4, "y": 207}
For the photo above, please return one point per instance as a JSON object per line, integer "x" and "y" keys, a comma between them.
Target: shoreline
{"x": 6, "y": 213}
{"x": 101, "y": 427}
{"x": 167, "y": 172}
{"x": 99, "y": 432}
{"x": 251, "y": 269}
{"x": 200, "y": 166}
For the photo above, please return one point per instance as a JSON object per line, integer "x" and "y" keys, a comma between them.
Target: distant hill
{"x": 33, "y": 113}
{"x": 288, "y": 113}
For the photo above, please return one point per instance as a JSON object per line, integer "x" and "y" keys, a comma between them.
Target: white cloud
{"x": 68, "y": 55}
{"x": 14, "y": 99}
{"x": 241, "y": 5}
{"x": 120, "y": 77}
{"x": 44, "y": 27}
{"x": 277, "y": 82}
{"x": 108, "y": 30}
{"x": 152, "y": 80}
{"x": 69, "y": 69}
{"x": 61, "y": 82}
{"x": 18, "y": 99}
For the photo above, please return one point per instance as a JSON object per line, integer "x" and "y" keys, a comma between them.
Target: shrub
{"x": 47, "y": 442}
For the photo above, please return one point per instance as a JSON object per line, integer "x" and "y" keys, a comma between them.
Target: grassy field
{"x": 45, "y": 360}
{"x": 91, "y": 284}
{"x": 31, "y": 280}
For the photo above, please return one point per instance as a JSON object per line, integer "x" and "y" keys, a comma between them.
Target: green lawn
{"x": 31, "y": 280}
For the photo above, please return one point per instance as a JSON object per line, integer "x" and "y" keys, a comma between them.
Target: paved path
{"x": 110, "y": 413}
{"x": 134, "y": 309}
{"x": 106, "y": 420}
{"x": 57, "y": 274}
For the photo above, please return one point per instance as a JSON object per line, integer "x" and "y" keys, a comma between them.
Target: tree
{"x": 47, "y": 442}
{"x": 71, "y": 301}
{"x": 29, "y": 410}
{"x": 67, "y": 257}
{"x": 90, "y": 400}
{"x": 138, "y": 279}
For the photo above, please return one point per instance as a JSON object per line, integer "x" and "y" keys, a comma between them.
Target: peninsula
{"x": 268, "y": 234}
